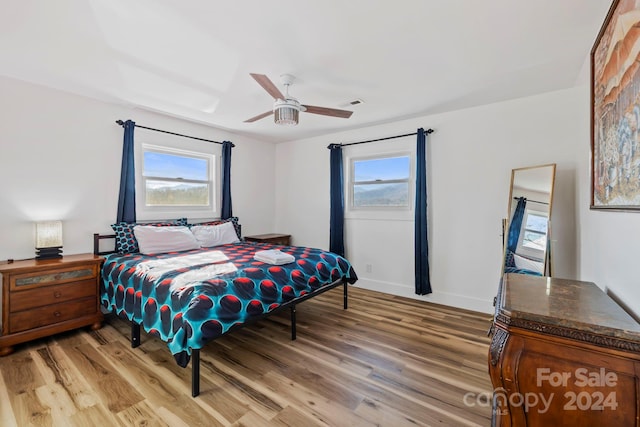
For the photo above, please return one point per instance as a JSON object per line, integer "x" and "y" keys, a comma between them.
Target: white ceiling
{"x": 404, "y": 58}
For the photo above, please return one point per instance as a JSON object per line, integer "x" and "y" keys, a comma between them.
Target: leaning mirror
{"x": 527, "y": 236}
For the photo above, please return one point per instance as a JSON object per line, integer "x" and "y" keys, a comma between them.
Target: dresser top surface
{"x": 565, "y": 303}
{"x": 47, "y": 264}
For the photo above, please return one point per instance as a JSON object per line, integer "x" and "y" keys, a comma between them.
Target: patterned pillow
{"x": 509, "y": 261}
{"x": 126, "y": 242}
{"x": 233, "y": 220}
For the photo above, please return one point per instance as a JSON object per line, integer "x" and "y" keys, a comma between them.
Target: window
{"x": 175, "y": 181}
{"x": 380, "y": 182}
{"x": 534, "y": 231}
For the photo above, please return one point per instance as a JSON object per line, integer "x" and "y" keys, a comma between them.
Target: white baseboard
{"x": 444, "y": 298}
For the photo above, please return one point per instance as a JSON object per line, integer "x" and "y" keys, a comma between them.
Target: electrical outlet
{"x": 368, "y": 268}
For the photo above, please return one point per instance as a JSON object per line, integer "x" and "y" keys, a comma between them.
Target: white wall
{"x": 470, "y": 157}
{"x": 609, "y": 241}
{"x": 60, "y": 159}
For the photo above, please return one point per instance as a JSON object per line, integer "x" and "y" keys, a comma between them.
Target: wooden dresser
{"x": 563, "y": 353}
{"x": 45, "y": 297}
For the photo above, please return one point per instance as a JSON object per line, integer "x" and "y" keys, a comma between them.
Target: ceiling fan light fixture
{"x": 286, "y": 109}
{"x": 286, "y": 112}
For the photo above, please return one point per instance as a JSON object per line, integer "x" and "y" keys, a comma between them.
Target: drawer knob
{"x": 57, "y": 313}
{"x": 57, "y": 294}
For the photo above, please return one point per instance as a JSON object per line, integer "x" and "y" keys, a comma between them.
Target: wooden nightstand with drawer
{"x": 45, "y": 297}
{"x": 278, "y": 239}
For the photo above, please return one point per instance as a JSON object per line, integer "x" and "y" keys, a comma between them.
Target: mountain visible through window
{"x": 381, "y": 182}
{"x": 176, "y": 180}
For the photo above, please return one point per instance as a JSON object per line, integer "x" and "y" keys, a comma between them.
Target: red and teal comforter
{"x": 190, "y": 298}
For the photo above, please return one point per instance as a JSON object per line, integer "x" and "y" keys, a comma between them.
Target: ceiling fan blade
{"x": 333, "y": 112}
{"x": 259, "y": 116}
{"x": 268, "y": 85}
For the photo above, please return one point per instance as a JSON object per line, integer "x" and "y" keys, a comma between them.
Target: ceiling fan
{"x": 286, "y": 108}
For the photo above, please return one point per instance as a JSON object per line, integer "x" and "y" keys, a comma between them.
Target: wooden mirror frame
{"x": 547, "y": 252}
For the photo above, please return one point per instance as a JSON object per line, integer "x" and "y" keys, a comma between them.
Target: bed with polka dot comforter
{"x": 190, "y": 298}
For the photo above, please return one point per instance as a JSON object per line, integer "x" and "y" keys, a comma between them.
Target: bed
{"x": 515, "y": 263}
{"x": 188, "y": 298}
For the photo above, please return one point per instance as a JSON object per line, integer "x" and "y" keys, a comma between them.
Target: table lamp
{"x": 48, "y": 239}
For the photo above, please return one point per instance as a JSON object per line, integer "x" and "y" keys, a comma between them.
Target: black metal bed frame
{"x": 195, "y": 352}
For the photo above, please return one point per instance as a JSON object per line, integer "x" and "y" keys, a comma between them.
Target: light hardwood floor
{"x": 386, "y": 361}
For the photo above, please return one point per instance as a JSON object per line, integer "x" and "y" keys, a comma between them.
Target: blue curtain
{"x": 423, "y": 284}
{"x": 226, "y": 211}
{"x": 127, "y": 196}
{"x": 336, "y": 219}
{"x": 516, "y": 225}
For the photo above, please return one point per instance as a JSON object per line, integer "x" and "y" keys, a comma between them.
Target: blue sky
{"x": 389, "y": 168}
{"x": 173, "y": 166}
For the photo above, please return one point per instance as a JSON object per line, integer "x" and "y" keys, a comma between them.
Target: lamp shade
{"x": 48, "y": 234}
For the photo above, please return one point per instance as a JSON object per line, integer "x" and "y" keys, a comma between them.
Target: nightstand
{"x": 45, "y": 297}
{"x": 278, "y": 239}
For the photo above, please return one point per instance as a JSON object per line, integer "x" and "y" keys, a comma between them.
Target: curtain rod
{"x": 428, "y": 131}
{"x": 121, "y": 123}
{"x": 532, "y": 201}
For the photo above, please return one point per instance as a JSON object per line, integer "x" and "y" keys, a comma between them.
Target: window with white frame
{"x": 533, "y": 234}
{"x": 175, "y": 181}
{"x": 380, "y": 182}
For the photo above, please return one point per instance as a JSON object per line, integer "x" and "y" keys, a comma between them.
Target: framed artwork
{"x": 615, "y": 110}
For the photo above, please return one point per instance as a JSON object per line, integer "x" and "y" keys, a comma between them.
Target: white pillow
{"x": 214, "y": 235}
{"x": 156, "y": 240}
{"x": 528, "y": 264}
